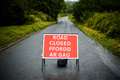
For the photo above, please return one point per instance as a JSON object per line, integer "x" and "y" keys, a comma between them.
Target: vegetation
{"x": 11, "y": 13}
{"x": 86, "y": 8}
{"x": 51, "y": 7}
{"x": 67, "y": 9}
{"x": 110, "y": 43}
{"x": 21, "y": 17}
{"x": 12, "y": 33}
{"x": 101, "y": 20}
{"x": 107, "y": 23}
{"x": 15, "y": 11}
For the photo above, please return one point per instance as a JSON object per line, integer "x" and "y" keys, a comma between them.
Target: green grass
{"x": 36, "y": 21}
{"x": 111, "y": 44}
{"x": 9, "y": 34}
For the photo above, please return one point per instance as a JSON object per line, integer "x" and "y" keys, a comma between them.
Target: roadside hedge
{"x": 108, "y": 23}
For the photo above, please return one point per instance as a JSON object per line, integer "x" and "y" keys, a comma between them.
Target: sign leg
{"x": 77, "y": 64}
{"x": 43, "y": 65}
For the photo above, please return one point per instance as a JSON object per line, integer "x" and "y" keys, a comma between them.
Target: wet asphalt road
{"x": 23, "y": 60}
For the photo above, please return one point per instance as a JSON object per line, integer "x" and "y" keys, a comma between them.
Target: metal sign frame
{"x": 43, "y": 58}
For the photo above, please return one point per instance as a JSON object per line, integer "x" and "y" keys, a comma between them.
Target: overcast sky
{"x": 71, "y": 0}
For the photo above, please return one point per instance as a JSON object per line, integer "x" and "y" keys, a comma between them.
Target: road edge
{"x": 21, "y": 39}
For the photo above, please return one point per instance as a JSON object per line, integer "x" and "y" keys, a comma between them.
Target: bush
{"x": 35, "y": 16}
{"x": 108, "y": 23}
{"x": 40, "y": 15}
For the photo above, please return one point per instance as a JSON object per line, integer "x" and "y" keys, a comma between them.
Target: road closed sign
{"x": 60, "y": 46}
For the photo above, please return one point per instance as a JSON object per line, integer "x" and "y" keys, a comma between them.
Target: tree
{"x": 50, "y": 7}
{"x": 86, "y": 8}
{"x": 14, "y": 11}
{"x": 11, "y": 13}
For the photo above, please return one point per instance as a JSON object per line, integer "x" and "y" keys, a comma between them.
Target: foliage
{"x": 103, "y": 16}
{"x": 50, "y": 7}
{"x": 87, "y": 8}
{"x": 16, "y": 11}
{"x": 11, "y": 13}
{"x": 99, "y": 5}
{"x": 108, "y": 23}
{"x": 35, "y": 16}
{"x": 111, "y": 44}
{"x": 68, "y": 7}
{"x": 12, "y": 33}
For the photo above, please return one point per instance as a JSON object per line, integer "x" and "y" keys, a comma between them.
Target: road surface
{"x": 23, "y": 60}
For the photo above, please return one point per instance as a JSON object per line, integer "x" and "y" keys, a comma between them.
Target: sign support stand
{"x": 43, "y": 65}
{"x": 77, "y": 64}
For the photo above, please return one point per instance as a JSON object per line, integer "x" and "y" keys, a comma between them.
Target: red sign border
{"x": 75, "y": 34}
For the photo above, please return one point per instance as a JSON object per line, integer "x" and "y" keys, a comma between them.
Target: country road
{"x": 23, "y": 60}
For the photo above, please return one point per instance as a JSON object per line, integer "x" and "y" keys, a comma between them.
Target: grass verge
{"x": 9, "y": 34}
{"x": 110, "y": 43}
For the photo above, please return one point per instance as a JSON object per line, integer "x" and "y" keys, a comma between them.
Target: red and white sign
{"x": 60, "y": 46}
